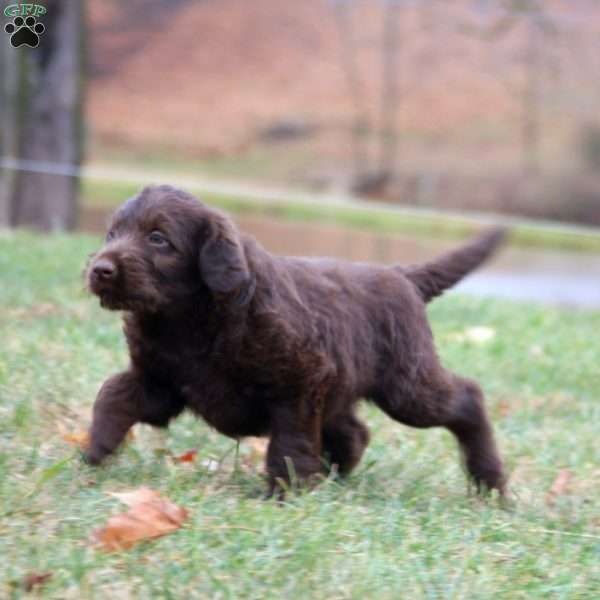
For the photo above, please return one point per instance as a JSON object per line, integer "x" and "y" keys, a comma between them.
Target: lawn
{"x": 402, "y": 526}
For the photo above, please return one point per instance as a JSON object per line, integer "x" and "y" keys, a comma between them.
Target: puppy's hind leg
{"x": 441, "y": 399}
{"x": 470, "y": 424}
{"x": 344, "y": 441}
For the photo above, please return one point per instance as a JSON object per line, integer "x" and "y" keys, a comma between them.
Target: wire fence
{"x": 255, "y": 193}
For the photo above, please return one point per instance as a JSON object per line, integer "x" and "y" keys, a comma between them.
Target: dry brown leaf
{"x": 186, "y": 457}
{"x": 504, "y": 408}
{"x": 480, "y": 335}
{"x": 79, "y": 438}
{"x": 258, "y": 446}
{"x": 134, "y": 497}
{"x": 34, "y": 580}
{"x": 150, "y": 516}
{"x": 560, "y": 486}
{"x": 258, "y": 451}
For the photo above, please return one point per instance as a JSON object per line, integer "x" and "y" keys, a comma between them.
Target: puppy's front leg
{"x": 293, "y": 455}
{"x": 117, "y": 408}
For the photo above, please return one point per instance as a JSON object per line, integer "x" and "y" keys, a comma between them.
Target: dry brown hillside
{"x": 207, "y": 73}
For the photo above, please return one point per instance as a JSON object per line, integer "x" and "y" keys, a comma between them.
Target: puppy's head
{"x": 163, "y": 250}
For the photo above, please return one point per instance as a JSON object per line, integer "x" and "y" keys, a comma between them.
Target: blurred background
{"x": 368, "y": 129}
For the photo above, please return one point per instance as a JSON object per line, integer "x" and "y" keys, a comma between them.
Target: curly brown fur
{"x": 275, "y": 346}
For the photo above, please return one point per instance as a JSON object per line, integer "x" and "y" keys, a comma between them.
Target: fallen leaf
{"x": 480, "y": 335}
{"x": 134, "y": 497}
{"x": 504, "y": 408}
{"x": 210, "y": 464}
{"x": 80, "y": 439}
{"x": 258, "y": 444}
{"x": 536, "y": 350}
{"x": 34, "y": 580}
{"x": 186, "y": 457}
{"x": 258, "y": 450}
{"x": 150, "y": 516}
{"x": 560, "y": 486}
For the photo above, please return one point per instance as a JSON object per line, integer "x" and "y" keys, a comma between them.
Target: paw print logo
{"x": 24, "y": 32}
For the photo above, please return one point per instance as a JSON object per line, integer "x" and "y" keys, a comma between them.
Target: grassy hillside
{"x": 402, "y": 526}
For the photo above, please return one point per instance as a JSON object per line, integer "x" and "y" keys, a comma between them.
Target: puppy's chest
{"x": 231, "y": 404}
{"x": 177, "y": 361}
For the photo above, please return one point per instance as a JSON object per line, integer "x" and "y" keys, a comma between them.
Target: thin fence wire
{"x": 272, "y": 194}
{"x": 38, "y": 166}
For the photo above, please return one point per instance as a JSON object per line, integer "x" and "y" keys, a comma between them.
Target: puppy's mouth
{"x": 113, "y": 297}
{"x": 112, "y": 302}
{"x": 109, "y": 293}
{"x": 109, "y": 298}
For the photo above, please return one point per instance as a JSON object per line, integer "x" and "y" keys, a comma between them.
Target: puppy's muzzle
{"x": 104, "y": 270}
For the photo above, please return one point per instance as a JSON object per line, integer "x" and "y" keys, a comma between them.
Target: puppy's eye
{"x": 110, "y": 236}
{"x": 156, "y": 238}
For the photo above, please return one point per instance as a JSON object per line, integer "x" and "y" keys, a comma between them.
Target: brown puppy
{"x": 261, "y": 345}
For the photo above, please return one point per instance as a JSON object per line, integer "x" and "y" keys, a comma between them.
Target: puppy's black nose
{"x": 104, "y": 269}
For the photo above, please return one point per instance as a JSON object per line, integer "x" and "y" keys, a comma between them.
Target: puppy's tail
{"x": 433, "y": 278}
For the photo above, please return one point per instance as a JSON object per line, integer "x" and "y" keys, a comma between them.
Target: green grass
{"x": 402, "y": 526}
{"x": 106, "y": 195}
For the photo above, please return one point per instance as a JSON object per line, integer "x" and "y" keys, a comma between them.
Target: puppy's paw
{"x": 92, "y": 457}
{"x": 490, "y": 480}
{"x": 277, "y": 489}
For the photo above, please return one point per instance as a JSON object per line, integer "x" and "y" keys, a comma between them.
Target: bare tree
{"x": 356, "y": 89}
{"x": 388, "y": 145}
{"x": 539, "y": 26}
{"x": 11, "y": 116}
{"x": 365, "y": 178}
{"x": 375, "y": 180}
{"x": 44, "y": 105}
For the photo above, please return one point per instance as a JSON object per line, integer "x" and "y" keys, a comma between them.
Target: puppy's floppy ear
{"x": 222, "y": 261}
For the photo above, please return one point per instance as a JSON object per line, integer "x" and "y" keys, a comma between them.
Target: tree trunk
{"x": 11, "y": 69}
{"x": 530, "y": 133}
{"x": 52, "y": 129}
{"x": 361, "y": 125}
{"x": 388, "y": 146}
